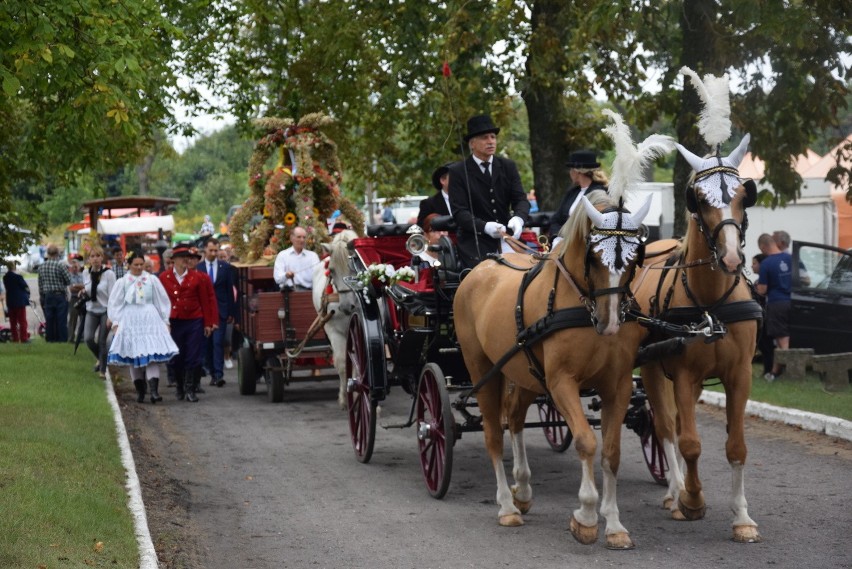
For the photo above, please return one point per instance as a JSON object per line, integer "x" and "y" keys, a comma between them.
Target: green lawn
{"x": 62, "y": 494}
{"x": 807, "y": 395}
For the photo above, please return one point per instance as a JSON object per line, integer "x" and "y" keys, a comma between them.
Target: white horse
{"x": 331, "y": 272}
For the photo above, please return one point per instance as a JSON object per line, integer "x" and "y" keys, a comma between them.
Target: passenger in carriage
{"x": 427, "y": 258}
{"x": 438, "y": 203}
{"x": 294, "y": 266}
{"x": 586, "y": 176}
{"x": 486, "y": 195}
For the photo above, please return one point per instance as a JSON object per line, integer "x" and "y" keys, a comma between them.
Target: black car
{"x": 821, "y": 307}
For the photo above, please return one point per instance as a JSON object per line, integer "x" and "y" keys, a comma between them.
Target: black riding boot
{"x": 170, "y": 376}
{"x": 192, "y": 380}
{"x": 154, "y": 385}
{"x": 180, "y": 380}
{"x": 140, "y": 390}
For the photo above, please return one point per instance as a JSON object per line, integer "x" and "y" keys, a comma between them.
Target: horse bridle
{"x": 712, "y": 236}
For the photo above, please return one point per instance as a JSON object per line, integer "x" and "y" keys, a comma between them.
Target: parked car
{"x": 821, "y": 299}
{"x": 33, "y": 258}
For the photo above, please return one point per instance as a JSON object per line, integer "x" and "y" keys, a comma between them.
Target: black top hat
{"x": 185, "y": 249}
{"x": 583, "y": 160}
{"x": 480, "y": 124}
{"x": 440, "y": 171}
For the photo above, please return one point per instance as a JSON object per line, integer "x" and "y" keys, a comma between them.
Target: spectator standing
{"x": 764, "y": 341}
{"x": 387, "y": 215}
{"x": 118, "y": 262}
{"x": 224, "y": 279}
{"x": 194, "y": 316}
{"x": 533, "y": 201}
{"x": 782, "y": 240}
{"x": 53, "y": 282}
{"x": 167, "y": 264}
{"x": 294, "y": 266}
{"x": 207, "y": 227}
{"x": 98, "y": 281}
{"x": 76, "y": 270}
{"x": 17, "y": 301}
{"x": 486, "y": 195}
{"x": 139, "y": 309}
{"x": 775, "y": 282}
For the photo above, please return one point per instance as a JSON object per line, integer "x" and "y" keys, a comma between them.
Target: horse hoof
{"x": 667, "y": 503}
{"x": 691, "y": 514}
{"x": 619, "y": 541}
{"x": 524, "y": 507}
{"x": 511, "y": 520}
{"x": 678, "y": 516}
{"x": 746, "y": 534}
{"x": 586, "y": 535}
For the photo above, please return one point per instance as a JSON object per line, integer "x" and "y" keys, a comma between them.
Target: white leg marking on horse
{"x": 587, "y": 513}
{"x": 521, "y": 470}
{"x": 675, "y": 474}
{"x": 739, "y": 505}
{"x": 504, "y": 494}
{"x": 609, "y": 502}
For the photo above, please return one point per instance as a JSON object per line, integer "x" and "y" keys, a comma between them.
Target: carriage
{"x": 279, "y": 346}
{"x": 402, "y": 335}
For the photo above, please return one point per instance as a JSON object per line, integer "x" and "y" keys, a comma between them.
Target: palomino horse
{"x": 327, "y": 274}
{"x": 705, "y": 278}
{"x": 590, "y": 278}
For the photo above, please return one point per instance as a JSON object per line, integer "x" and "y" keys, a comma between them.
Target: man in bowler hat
{"x": 486, "y": 197}
{"x": 586, "y": 176}
{"x": 439, "y": 202}
{"x": 194, "y": 317}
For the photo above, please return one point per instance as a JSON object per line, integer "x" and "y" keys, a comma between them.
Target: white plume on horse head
{"x": 631, "y": 160}
{"x": 714, "y": 122}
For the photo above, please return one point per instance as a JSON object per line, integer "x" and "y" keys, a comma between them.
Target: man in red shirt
{"x": 193, "y": 318}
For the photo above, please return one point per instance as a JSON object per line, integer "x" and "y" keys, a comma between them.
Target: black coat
{"x": 17, "y": 290}
{"x": 561, "y": 215}
{"x": 433, "y": 204}
{"x": 226, "y": 279}
{"x": 498, "y": 201}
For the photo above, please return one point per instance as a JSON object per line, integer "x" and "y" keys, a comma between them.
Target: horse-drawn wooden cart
{"x": 404, "y": 335}
{"x": 274, "y": 324}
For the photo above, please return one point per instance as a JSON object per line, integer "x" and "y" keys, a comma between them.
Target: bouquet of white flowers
{"x": 385, "y": 274}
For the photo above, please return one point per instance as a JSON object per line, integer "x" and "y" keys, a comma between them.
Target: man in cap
{"x": 586, "y": 176}
{"x": 486, "y": 196}
{"x": 194, "y": 317}
{"x": 439, "y": 202}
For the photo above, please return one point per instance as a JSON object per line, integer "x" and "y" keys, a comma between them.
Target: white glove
{"x": 494, "y": 229}
{"x": 516, "y": 224}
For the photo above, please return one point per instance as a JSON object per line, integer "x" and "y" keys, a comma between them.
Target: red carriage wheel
{"x": 435, "y": 430}
{"x": 246, "y": 371}
{"x": 359, "y": 402}
{"x": 558, "y": 436}
{"x": 652, "y": 450}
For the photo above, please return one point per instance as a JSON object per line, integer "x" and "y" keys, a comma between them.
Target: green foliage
{"x": 63, "y": 481}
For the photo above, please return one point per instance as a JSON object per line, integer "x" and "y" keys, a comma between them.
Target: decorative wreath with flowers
{"x": 384, "y": 274}
{"x": 302, "y": 190}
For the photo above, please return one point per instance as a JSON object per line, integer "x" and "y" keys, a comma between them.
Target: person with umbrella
{"x": 139, "y": 309}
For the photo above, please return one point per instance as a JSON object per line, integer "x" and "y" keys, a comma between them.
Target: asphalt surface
{"x": 277, "y": 486}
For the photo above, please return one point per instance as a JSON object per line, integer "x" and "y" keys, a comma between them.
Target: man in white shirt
{"x": 294, "y": 266}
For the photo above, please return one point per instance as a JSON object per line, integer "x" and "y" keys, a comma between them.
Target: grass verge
{"x": 62, "y": 493}
{"x": 805, "y": 395}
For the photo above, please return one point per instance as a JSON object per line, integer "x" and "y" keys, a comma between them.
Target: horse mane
{"x": 577, "y": 226}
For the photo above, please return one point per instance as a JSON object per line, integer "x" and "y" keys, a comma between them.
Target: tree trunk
{"x": 700, "y": 53}
{"x": 550, "y": 137}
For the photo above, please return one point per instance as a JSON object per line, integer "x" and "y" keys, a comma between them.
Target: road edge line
{"x": 824, "y": 424}
{"x": 147, "y": 553}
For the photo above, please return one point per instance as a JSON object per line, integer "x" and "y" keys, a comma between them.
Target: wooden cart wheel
{"x": 558, "y": 436}
{"x": 274, "y": 380}
{"x": 435, "y": 430}
{"x": 246, "y": 371}
{"x": 652, "y": 450}
{"x": 359, "y": 402}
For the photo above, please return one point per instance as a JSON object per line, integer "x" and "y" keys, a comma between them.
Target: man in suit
{"x": 486, "y": 195}
{"x": 586, "y": 176}
{"x": 194, "y": 317}
{"x": 439, "y": 202}
{"x": 223, "y": 277}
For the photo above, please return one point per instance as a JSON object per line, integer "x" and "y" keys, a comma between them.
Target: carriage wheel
{"x": 361, "y": 406}
{"x": 652, "y": 450}
{"x": 558, "y": 436}
{"x": 274, "y": 381}
{"x": 246, "y": 371}
{"x": 435, "y": 430}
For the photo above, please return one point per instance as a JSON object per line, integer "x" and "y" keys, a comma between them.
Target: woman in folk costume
{"x": 98, "y": 282}
{"x": 139, "y": 309}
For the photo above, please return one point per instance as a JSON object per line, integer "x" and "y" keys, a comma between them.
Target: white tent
{"x": 123, "y": 225}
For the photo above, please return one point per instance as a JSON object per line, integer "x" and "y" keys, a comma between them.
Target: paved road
{"x": 277, "y": 485}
